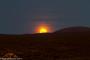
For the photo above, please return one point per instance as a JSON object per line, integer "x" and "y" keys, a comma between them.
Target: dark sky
{"x": 21, "y": 16}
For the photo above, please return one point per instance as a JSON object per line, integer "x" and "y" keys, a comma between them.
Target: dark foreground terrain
{"x": 67, "y": 44}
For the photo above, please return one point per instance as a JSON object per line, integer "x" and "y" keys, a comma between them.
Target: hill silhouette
{"x": 75, "y": 29}
{"x": 71, "y": 43}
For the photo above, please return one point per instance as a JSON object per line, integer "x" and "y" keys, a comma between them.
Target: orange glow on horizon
{"x": 42, "y": 28}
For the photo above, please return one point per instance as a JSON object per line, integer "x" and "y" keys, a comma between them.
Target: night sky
{"x": 22, "y": 16}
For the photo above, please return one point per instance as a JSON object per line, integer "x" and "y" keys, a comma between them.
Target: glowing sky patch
{"x": 43, "y": 28}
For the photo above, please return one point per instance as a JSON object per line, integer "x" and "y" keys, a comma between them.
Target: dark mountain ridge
{"x": 69, "y": 43}
{"x": 74, "y": 29}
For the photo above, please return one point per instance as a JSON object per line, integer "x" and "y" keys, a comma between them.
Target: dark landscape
{"x": 67, "y": 44}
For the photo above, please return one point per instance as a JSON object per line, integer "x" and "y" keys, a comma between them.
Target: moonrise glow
{"x": 43, "y": 28}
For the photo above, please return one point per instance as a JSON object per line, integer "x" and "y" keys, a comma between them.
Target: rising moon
{"x": 43, "y": 28}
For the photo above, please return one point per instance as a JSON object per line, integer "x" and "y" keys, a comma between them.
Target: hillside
{"x": 66, "y": 44}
